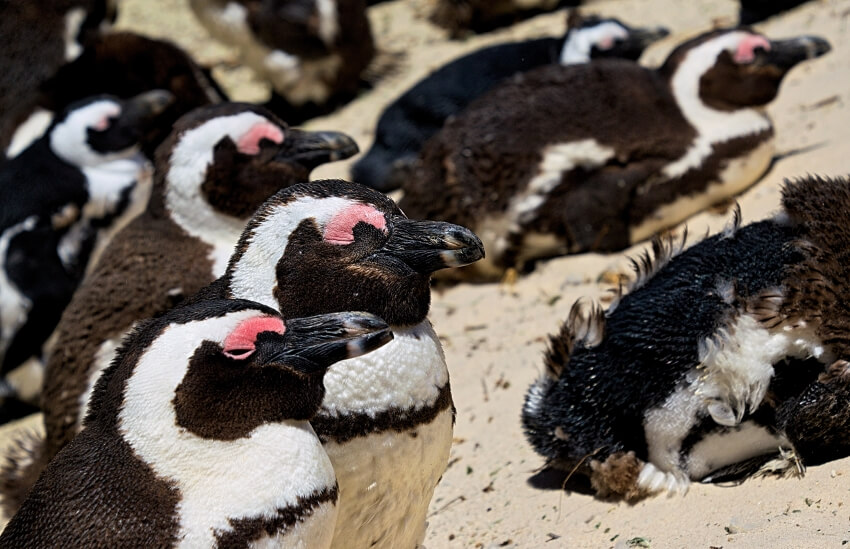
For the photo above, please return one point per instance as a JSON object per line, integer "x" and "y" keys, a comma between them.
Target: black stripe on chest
{"x": 246, "y": 530}
{"x": 341, "y": 429}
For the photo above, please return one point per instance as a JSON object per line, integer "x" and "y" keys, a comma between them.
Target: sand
{"x": 494, "y": 334}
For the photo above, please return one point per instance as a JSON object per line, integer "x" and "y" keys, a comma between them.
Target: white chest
{"x": 386, "y": 481}
{"x": 14, "y": 306}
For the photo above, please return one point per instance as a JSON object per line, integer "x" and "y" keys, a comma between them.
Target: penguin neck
{"x": 189, "y": 209}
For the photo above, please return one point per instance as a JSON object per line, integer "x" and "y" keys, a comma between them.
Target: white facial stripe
{"x": 217, "y": 480}
{"x": 579, "y": 42}
{"x": 69, "y": 138}
{"x": 190, "y": 160}
{"x": 713, "y": 126}
{"x": 253, "y": 277}
{"x": 73, "y": 21}
{"x": 328, "y": 24}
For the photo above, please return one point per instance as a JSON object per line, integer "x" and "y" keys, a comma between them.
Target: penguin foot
{"x": 653, "y": 480}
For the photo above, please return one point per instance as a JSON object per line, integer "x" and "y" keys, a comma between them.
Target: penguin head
{"x": 220, "y": 369}
{"x": 101, "y": 129}
{"x": 738, "y": 68}
{"x": 233, "y": 156}
{"x": 333, "y": 246}
{"x": 593, "y": 37}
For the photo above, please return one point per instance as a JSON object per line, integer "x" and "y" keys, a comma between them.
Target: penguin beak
{"x": 312, "y": 149}
{"x": 428, "y": 246}
{"x": 784, "y": 54}
{"x": 312, "y": 344}
{"x": 638, "y": 40}
{"x": 140, "y": 111}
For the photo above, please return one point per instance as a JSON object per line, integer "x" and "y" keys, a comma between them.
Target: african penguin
{"x": 219, "y": 164}
{"x": 386, "y": 420}
{"x": 460, "y": 17}
{"x": 121, "y": 64}
{"x": 754, "y": 11}
{"x": 36, "y": 38}
{"x": 63, "y": 196}
{"x": 538, "y": 172}
{"x": 421, "y": 111}
{"x": 198, "y": 436}
{"x": 729, "y": 350}
{"x": 312, "y": 52}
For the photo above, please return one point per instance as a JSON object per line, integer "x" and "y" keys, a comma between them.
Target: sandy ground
{"x": 494, "y": 334}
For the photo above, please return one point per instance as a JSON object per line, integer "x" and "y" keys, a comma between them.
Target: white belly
{"x": 386, "y": 481}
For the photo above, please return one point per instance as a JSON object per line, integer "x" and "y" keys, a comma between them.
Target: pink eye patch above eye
{"x": 340, "y": 229}
{"x": 241, "y": 342}
{"x": 747, "y": 48}
{"x": 249, "y": 143}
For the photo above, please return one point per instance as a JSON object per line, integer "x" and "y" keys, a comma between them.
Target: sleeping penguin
{"x": 62, "y": 197}
{"x": 407, "y": 123}
{"x": 598, "y": 156}
{"x": 732, "y": 349}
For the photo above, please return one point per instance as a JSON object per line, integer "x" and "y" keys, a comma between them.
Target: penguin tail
{"x": 23, "y": 463}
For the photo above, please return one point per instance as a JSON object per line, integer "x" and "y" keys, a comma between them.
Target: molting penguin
{"x": 220, "y": 163}
{"x": 121, "y": 64}
{"x": 729, "y": 350}
{"x": 198, "y": 436}
{"x": 386, "y": 421}
{"x": 422, "y": 110}
{"x": 311, "y": 51}
{"x": 539, "y": 172}
{"x": 461, "y": 16}
{"x": 35, "y": 40}
{"x": 67, "y": 193}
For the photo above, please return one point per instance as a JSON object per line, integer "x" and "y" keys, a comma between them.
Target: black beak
{"x": 311, "y": 149}
{"x": 428, "y": 246}
{"x": 784, "y": 54}
{"x": 312, "y": 344}
{"x": 141, "y": 110}
{"x": 638, "y": 40}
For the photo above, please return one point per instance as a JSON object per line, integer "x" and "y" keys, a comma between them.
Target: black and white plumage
{"x": 35, "y": 40}
{"x": 407, "y": 123}
{"x": 729, "y": 350}
{"x": 596, "y": 156}
{"x": 386, "y": 420}
{"x": 219, "y": 164}
{"x": 198, "y": 436}
{"x": 311, "y": 51}
{"x": 63, "y": 196}
{"x": 122, "y": 64}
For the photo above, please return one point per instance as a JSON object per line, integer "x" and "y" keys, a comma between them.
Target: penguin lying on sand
{"x": 754, "y": 11}
{"x": 731, "y": 349}
{"x": 538, "y": 172}
{"x": 198, "y": 436}
{"x": 461, "y": 16}
{"x": 121, "y": 64}
{"x": 311, "y": 51}
{"x": 422, "y": 110}
{"x": 66, "y": 193}
{"x": 220, "y": 163}
{"x": 386, "y": 420}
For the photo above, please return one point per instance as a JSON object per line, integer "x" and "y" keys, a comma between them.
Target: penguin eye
{"x": 340, "y": 230}
{"x": 240, "y": 344}
{"x": 103, "y": 124}
{"x": 249, "y": 142}
{"x": 239, "y": 354}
